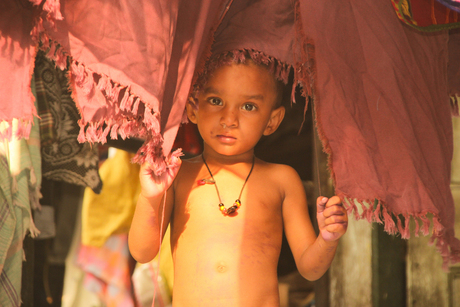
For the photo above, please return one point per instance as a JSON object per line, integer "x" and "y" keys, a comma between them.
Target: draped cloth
{"x": 379, "y": 87}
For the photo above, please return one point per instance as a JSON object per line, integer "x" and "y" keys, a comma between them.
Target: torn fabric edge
{"x": 130, "y": 116}
{"x": 376, "y": 211}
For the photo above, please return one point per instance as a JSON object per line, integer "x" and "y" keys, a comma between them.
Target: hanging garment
{"x": 107, "y": 271}
{"x": 111, "y": 212}
{"x": 20, "y": 178}
{"x": 63, "y": 157}
{"x": 379, "y": 87}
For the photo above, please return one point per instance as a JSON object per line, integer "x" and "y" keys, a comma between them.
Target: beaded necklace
{"x": 237, "y": 203}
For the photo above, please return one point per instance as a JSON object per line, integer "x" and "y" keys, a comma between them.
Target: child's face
{"x": 235, "y": 108}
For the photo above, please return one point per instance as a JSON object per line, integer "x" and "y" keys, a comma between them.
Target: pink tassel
{"x": 114, "y": 132}
{"x": 126, "y": 101}
{"x": 405, "y": 234}
{"x": 426, "y": 225}
{"x": 151, "y": 121}
{"x": 389, "y": 225}
{"x": 438, "y": 227}
{"x": 417, "y": 227}
{"x": 122, "y": 130}
{"x": 103, "y": 83}
{"x": 136, "y": 106}
{"x": 91, "y": 135}
{"x": 112, "y": 93}
{"x": 353, "y": 209}
{"x": 82, "y": 78}
{"x": 61, "y": 59}
{"x": 104, "y": 135}
{"x": 52, "y": 51}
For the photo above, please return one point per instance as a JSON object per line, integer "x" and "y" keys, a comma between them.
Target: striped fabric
{"x": 20, "y": 178}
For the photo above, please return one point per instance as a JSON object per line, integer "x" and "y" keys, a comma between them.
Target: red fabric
{"x": 380, "y": 88}
{"x": 17, "y": 52}
{"x": 384, "y": 117}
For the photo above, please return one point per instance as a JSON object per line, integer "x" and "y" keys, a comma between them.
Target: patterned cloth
{"x": 107, "y": 271}
{"x": 427, "y": 15}
{"x": 64, "y": 158}
{"x": 20, "y": 178}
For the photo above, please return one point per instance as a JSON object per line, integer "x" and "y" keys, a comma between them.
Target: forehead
{"x": 246, "y": 79}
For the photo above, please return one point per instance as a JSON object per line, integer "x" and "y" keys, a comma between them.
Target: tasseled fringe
{"x": 447, "y": 245}
{"x": 151, "y": 151}
{"x": 454, "y": 105}
{"x": 393, "y": 223}
{"x": 129, "y": 115}
{"x": 34, "y": 231}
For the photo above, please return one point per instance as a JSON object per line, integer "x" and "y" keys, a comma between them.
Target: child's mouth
{"x": 226, "y": 139}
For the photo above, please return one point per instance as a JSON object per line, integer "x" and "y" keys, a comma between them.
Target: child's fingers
{"x": 321, "y": 204}
{"x": 337, "y": 227}
{"x": 334, "y": 210}
{"x": 334, "y": 219}
{"x": 334, "y": 200}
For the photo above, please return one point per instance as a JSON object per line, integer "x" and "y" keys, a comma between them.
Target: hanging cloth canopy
{"x": 379, "y": 87}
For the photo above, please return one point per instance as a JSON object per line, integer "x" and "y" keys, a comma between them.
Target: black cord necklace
{"x": 237, "y": 204}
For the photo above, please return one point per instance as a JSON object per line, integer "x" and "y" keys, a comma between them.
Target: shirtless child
{"x": 230, "y": 259}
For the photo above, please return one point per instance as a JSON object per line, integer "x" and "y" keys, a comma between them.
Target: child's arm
{"x": 313, "y": 254}
{"x": 144, "y": 234}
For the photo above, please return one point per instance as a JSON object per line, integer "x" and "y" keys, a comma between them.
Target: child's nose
{"x": 229, "y": 117}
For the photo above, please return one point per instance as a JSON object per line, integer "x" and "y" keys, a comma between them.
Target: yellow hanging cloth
{"x": 111, "y": 211}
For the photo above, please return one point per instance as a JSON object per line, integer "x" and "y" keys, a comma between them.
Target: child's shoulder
{"x": 282, "y": 172}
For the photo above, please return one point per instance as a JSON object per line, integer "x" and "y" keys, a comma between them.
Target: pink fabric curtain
{"x": 17, "y": 52}
{"x": 384, "y": 114}
{"x": 380, "y": 88}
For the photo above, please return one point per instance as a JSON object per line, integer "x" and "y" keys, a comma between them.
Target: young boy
{"x": 225, "y": 252}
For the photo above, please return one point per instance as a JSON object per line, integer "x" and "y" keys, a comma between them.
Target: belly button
{"x": 221, "y": 267}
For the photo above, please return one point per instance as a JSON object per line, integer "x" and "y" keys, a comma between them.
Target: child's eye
{"x": 215, "y": 101}
{"x": 249, "y": 107}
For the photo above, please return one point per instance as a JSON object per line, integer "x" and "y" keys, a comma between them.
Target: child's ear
{"x": 275, "y": 120}
{"x": 192, "y": 107}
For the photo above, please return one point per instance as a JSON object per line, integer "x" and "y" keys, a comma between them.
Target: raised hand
{"x": 153, "y": 185}
{"x": 332, "y": 218}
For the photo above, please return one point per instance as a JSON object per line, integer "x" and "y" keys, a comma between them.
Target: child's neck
{"x": 215, "y": 158}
